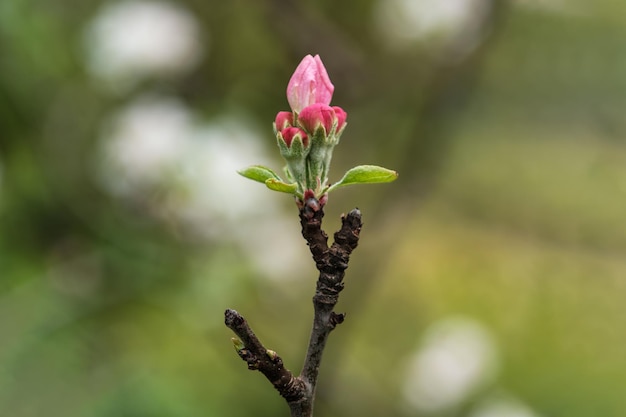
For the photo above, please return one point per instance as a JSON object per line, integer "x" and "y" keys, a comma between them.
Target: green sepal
{"x": 290, "y": 177}
{"x": 316, "y": 167}
{"x": 296, "y": 150}
{"x": 283, "y": 187}
{"x": 258, "y": 173}
{"x": 338, "y": 134}
{"x": 365, "y": 174}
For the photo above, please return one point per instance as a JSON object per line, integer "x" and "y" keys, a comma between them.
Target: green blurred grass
{"x": 524, "y": 233}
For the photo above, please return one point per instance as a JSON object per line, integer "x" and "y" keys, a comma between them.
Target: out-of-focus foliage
{"x": 490, "y": 276}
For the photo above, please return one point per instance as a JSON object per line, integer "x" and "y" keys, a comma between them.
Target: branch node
{"x": 336, "y": 318}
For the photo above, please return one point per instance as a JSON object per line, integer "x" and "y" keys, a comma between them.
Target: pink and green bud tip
{"x": 341, "y": 117}
{"x": 284, "y": 119}
{"x": 309, "y": 84}
{"x": 317, "y": 116}
{"x": 290, "y": 134}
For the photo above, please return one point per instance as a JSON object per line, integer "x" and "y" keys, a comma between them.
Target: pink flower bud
{"x": 309, "y": 84}
{"x": 284, "y": 119}
{"x": 341, "y": 117}
{"x": 316, "y": 115}
{"x": 291, "y": 133}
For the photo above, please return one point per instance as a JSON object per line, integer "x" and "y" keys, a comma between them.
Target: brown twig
{"x": 266, "y": 361}
{"x": 331, "y": 262}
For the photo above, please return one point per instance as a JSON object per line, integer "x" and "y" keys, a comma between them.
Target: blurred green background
{"x": 490, "y": 279}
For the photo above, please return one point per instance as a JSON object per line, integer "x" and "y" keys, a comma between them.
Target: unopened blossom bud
{"x": 290, "y": 134}
{"x": 284, "y": 119}
{"x": 341, "y": 117}
{"x": 309, "y": 84}
{"x": 315, "y": 116}
{"x": 306, "y": 137}
{"x": 293, "y": 143}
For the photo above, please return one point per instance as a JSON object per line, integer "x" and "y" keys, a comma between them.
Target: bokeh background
{"x": 491, "y": 277}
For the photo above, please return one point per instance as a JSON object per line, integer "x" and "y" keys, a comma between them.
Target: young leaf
{"x": 278, "y": 185}
{"x": 365, "y": 174}
{"x": 239, "y": 345}
{"x": 259, "y": 173}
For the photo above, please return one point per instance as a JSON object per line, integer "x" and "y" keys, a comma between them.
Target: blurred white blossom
{"x": 450, "y": 25}
{"x": 242, "y": 210}
{"x": 144, "y": 141}
{"x": 156, "y": 146}
{"x": 502, "y": 407}
{"x": 130, "y": 40}
{"x": 456, "y": 357}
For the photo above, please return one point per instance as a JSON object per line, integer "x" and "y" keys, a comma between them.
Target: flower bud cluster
{"x": 307, "y": 135}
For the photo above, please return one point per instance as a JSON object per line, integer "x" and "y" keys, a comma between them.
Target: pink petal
{"x": 341, "y": 117}
{"x": 316, "y": 115}
{"x": 290, "y": 133}
{"x": 309, "y": 84}
{"x": 284, "y": 119}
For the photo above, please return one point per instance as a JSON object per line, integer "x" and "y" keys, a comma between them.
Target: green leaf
{"x": 259, "y": 173}
{"x": 278, "y": 185}
{"x": 365, "y": 174}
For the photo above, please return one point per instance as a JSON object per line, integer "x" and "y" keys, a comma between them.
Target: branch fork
{"x": 331, "y": 262}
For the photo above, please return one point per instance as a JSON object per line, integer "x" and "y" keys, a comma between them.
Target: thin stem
{"x": 331, "y": 262}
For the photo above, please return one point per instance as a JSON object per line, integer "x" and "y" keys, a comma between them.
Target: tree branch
{"x": 331, "y": 262}
{"x": 266, "y": 361}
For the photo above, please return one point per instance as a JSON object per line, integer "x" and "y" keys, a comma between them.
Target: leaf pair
{"x": 362, "y": 174}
